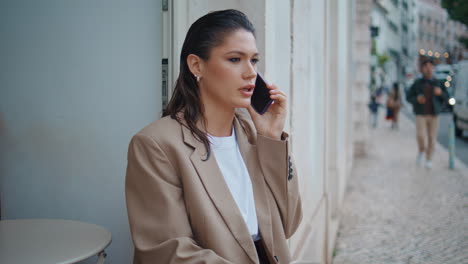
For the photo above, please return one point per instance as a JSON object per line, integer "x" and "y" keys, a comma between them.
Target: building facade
{"x": 394, "y": 21}
{"x": 409, "y": 50}
{"x": 455, "y": 31}
{"x": 407, "y": 29}
{"x": 438, "y": 35}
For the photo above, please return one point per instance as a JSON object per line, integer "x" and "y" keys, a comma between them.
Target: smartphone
{"x": 261, "y": 100}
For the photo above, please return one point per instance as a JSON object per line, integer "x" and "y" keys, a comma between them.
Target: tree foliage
{"x": 382, "y": 59}
{"x": 457, "y": 10}
{"x": 464, "y": 40}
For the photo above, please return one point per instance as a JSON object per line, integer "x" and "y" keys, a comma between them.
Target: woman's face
{"x": 228, "y": 76}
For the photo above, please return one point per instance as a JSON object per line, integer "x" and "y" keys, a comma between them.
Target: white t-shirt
{"x": 232, "y": 166}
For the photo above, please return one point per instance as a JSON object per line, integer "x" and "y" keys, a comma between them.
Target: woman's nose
{"x": 251, "y": 71}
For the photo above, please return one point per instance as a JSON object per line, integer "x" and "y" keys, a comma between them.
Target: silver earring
{"x": 198, "y": 78}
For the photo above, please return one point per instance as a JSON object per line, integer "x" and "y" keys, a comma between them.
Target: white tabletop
{"x": 50, "y": 241}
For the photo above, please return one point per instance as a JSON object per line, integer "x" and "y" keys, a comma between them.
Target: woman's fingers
{"x": 278, "y": 95}
{"x": 272, "y": 87}
{"x": 275, "y": 90}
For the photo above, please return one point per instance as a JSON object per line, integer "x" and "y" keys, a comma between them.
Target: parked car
{"x": 444, "y": 73}
{"x": 460, "y": 109}
{"x": 441, "y": 71}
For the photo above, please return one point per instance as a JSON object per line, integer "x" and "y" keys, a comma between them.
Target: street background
{"x": 397, "y": 212}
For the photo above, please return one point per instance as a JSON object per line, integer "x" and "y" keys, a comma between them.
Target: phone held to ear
{"x": 260, "y": 99}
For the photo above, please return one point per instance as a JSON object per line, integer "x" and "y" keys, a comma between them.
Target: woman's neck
{"x": 218, "y": 120}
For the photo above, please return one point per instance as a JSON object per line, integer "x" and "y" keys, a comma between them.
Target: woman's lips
{"x": 247, "y": 90}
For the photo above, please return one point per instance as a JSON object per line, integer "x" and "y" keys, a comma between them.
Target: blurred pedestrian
{"x": 374, "y": 110}
{"x": 378, "y": 94}
{"x": 427, "y": 96}
{"x": 394, "y": 104}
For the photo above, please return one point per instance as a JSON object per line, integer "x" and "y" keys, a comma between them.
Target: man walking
{"x": 427, "y": 96}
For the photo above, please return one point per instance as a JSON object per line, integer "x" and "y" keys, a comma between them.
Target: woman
{"x": 394, "y": 104}
{"x": 212, "y": 182}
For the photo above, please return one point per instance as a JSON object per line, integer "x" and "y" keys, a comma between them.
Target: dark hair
{"x": 396, "y": 91}
{"x": 203, "y": 35}
{"x": 424, "y": 62}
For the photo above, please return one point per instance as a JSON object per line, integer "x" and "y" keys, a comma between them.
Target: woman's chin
{"x": 244, "y": 104}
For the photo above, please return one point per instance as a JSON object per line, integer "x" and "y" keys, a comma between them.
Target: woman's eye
{"x": 254, "y": 61}
{"x": 234, "y": 59}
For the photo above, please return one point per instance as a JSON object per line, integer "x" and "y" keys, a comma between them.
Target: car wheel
{"x": 458, "y": 131}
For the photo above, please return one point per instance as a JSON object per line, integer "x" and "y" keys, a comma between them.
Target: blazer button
{"x": 290, "y": 176}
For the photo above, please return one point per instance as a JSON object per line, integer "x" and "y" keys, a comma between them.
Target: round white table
{"x": 47, "y": 241}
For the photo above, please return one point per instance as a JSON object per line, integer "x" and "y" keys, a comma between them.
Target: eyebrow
{"x": 240, "y": 52}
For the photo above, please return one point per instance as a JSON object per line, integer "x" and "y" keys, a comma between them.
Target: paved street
{"x": 396, "y": 212}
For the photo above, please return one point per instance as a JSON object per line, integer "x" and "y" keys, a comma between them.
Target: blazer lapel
{"x": 219, "y": 192}
{"x": 249, "y": 154}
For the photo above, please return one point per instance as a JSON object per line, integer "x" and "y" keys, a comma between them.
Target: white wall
{"x": 361, "y": 79}
{"x": 78, "y": 79}
{"x": 308, "y": 116}
{"x": 345, "y": 87}
{"x": 277, "y": 47}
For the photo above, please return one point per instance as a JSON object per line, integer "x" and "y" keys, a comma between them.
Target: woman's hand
{"x": 271, "y": 123}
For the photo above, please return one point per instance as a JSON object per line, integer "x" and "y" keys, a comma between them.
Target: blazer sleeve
{"x": 278, "y": 167}
{"x": 157, "y": 215}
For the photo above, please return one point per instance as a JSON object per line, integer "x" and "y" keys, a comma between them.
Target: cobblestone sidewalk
{"x": 396, "y": 212}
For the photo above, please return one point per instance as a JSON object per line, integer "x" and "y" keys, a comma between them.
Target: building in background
{"x": 386, "y": 16}
{"x": 438, "y": 35}
{"x": 405, "y": 32}
{"x": 453, "y": 46}
{"x": 409, "y": 50}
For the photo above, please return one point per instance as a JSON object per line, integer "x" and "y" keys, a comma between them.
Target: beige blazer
{"x": 180, "y": 208}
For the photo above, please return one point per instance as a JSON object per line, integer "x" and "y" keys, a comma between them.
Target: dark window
{"x": 393, "y": 26}
{"x": 404, "y": 27}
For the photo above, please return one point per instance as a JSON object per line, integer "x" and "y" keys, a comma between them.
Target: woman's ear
{"x": 195, "y": 64}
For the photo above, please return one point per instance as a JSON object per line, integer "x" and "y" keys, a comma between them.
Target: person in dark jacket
{"x": 427, "y": 96}
{"x": 374, "y": 110}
